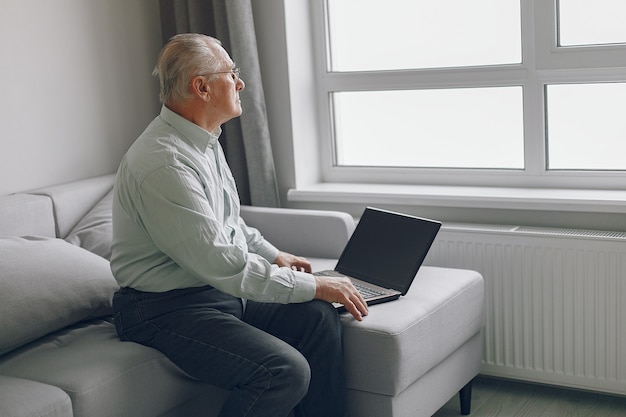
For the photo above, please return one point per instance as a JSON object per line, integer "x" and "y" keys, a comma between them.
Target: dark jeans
{"x": 273, "y": 357}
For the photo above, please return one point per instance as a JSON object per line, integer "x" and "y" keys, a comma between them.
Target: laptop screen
{"x": 387, "y": 248}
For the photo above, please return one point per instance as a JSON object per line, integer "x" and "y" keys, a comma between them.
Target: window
{"x": 382, "y": 38}
{"x": 481, "y": 92}
{"x": 585, "y": 22}
{"x": 441, "y": 121}
{"x": 586, "y": 126}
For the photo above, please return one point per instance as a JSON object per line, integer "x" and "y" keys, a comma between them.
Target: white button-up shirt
{"x": 176, "y": 221}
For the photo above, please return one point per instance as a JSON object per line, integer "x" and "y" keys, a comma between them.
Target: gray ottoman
{"x": 408, "y": 357}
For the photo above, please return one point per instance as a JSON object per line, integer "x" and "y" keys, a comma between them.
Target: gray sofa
{"x": 60, "y": 356}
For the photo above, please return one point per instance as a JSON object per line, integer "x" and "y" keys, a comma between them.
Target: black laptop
{"x": 384, "y": 254}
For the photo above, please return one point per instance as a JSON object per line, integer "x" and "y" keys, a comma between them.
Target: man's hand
{"x": 340, "y": 290}
{"x": 330, "y": 289}
{"x": 294, "y": 262}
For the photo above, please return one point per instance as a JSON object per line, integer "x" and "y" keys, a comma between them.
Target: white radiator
{"x": 555, "y": 301}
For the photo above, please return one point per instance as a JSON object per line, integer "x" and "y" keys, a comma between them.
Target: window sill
{"x": 598, "y": 201}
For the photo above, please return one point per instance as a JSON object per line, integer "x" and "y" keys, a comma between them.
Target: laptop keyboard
{"x": 366, "y": 292}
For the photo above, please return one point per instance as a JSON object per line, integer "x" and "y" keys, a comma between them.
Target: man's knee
{"x": 324, "y": 320}
{"x": 290, "y": 372}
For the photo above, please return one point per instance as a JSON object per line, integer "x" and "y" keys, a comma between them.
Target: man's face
{"x": 225, "y": 88}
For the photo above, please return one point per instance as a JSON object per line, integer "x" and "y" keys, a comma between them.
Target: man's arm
{"x": 331, "y": 289}
{"x": 190, "y": 241}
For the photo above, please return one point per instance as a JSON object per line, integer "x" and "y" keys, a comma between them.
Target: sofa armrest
{"x": 74, "y": 199}
{"x": 310, "y": 233}
{"x": 24, "y": 214}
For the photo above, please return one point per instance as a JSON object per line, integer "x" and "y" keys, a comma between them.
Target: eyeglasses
{"x": 236, "y": 72}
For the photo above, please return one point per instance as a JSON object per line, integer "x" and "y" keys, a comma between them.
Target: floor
{"x": 496, "y": 397}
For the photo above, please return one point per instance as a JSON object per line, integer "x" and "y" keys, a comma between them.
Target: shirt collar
{"x": 190, "y": 130}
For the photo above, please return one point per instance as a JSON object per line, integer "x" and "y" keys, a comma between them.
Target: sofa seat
{"x": 399, "y": 342}
{"x": 24, "y": 398}
{"x": 103, "y": 376}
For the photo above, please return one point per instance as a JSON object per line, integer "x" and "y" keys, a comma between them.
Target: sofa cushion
{"x": 24, "y": 398}
{"x": 94, "y": 231}
{"x": 106, "y": 377}
{"x": 48, "y": 284}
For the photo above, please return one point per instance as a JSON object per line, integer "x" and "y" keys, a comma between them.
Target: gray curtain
{"x": 246, "y": 139}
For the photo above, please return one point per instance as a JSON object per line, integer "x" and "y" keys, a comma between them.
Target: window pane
{"x": 443, "y": 128}
{"x": 585, "y": 22}
{"x": 586, "y": 126}
{"x": 401, "y": 34}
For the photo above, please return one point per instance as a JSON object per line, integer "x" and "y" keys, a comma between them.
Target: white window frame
{"x": 542, "y": 63}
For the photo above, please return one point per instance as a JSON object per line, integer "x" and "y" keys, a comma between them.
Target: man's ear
{"x": 200, "y": 87}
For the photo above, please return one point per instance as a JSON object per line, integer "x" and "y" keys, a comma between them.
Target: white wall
{"x": 76, "y": 87}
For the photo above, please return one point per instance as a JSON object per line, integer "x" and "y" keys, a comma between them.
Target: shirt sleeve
{"x": 181, "y": 221}
{"x": 257, "y": 243}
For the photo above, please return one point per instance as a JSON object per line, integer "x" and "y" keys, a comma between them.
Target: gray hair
{"x": 182, "y": 58}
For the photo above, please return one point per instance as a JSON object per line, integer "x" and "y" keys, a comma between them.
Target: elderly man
{"x": 196, "y": 282}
